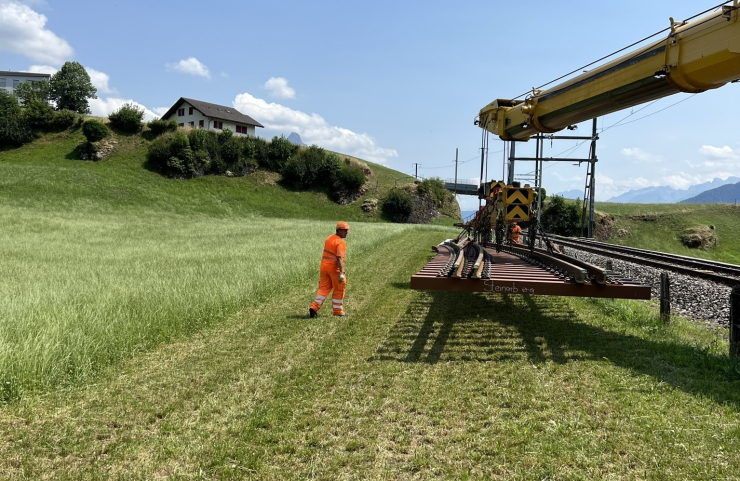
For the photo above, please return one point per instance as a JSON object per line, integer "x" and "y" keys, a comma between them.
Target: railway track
{"x": 720, "y": 272}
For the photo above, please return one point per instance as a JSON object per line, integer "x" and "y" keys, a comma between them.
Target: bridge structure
{"x": 461, "y": 187}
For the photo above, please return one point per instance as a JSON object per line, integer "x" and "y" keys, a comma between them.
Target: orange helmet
{"x": 342, "y": 225}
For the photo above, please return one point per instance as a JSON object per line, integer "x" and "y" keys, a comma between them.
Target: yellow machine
{"x": 695, "y": 56}
{"x": 505, "y": 205}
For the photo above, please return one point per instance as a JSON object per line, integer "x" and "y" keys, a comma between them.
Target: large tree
{"x": 14, "y": 129}
{"x": 71, "y": 87}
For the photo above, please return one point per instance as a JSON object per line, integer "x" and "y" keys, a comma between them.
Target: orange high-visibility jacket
{"x": 515, "y": 231}
{"x": 334, "y": 247}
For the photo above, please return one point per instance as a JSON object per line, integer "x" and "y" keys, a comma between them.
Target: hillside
{"x": 48, "y": 174}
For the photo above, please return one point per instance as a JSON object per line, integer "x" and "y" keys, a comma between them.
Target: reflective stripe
{"x": 320, "y": 297}
{"x": 337, "y": 307}
{"x": 338, "y": 301}
{"x": 319, "y": 301}
{"x": 329, "y": 258}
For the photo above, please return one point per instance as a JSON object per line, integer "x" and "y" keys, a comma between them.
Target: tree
{"x": 14, "y": 129}
{"x": 29, "y": 92}
{"x": 562, "y": 217}
{"x": 71, "y": 87}
{"x": 34, "y": 97}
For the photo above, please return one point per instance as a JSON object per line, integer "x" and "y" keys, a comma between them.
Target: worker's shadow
{"x": 445, "y": 326}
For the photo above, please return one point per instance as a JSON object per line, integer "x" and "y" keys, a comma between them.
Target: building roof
{"x": 7, "y": 73}
{"x": 215, "y": 111}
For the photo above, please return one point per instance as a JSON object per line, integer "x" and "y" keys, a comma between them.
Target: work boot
{"x": 311, "y": 313}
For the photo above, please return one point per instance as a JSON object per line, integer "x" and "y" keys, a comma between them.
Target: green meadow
{"x": 155, "y": 328}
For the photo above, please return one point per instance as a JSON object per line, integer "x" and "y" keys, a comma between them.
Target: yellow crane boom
{"x": 695, "y": 56}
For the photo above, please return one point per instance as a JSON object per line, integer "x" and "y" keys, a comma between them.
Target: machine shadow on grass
{"x": 444, "y": 326}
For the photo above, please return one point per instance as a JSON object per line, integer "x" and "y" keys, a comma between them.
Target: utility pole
{"x": 455, "y": 170}
{"x": 416, "y": 170}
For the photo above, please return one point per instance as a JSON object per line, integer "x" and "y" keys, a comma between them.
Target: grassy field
{"x": 411, "y": 385}
{"x": 153, "y": 328}
{"x": 659, "y": 227}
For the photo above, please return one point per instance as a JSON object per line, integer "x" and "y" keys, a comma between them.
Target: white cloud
{"x": 22, "y": 32}
{"x": 100, "y": 81}
{"x": 313, "y": 129}
{"x": 104, "y": 107}
{"x": 42, "y": 69}
{"x": 719, "y": 152}
{"x": 640, "y": 155}
{"x": 278, "y": 87}
{"x": 160, "y": 111}
{"x": 190, "y": 66}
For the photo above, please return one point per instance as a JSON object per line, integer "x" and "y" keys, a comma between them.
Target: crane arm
{"x": 695, "y": 56}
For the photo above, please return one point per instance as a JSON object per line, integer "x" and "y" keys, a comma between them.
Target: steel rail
{"x": 720, "y": 272}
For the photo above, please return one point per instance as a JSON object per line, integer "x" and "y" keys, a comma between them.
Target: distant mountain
{"x": 295, "y": 139}
{"x": 664, "y": 194}
{"x": 571, "y": 194}
{"x": 728, "y": 193}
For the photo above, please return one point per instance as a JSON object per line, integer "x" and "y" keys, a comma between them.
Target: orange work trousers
{"x": 327, "y": 282}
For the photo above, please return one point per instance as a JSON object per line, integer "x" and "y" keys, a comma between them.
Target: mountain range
{"x": 663, "y": 194}
{"x": 295, "y": 139}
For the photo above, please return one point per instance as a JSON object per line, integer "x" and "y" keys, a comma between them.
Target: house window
{"x": 218, "y": 125}
{"x": 2, "y": 82}
{"x": 180, "y": 112}
{"x": 191, "y": 124}
{"x": 200, "y": 123}
{"x": 181, "y": 125}
{"x": 241, "y": 129}
{"x": 15, "y": 83}
{"x": 190, "y": 111}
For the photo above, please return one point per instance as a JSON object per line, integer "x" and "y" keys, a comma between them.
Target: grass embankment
{"x": 411, "y": 385}
{"x": 47, "y": 175}
{"x": 660, "y": 226}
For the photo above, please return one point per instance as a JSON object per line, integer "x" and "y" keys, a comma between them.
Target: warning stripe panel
{"x": 517, "y": 212}
{"x": 517, "y": 196}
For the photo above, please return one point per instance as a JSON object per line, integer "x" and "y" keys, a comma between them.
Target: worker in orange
{"x": 332, "y": 275}
{"x": 515, "y": 231}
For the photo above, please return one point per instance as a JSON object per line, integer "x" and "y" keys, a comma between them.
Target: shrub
{"x": 303, "y": 170}
{"x": 171, "y": 155}
{"x": 351, "y": 178}
{"x": 281, "y": 150}
{"x": 38, "y": 113}
{"x": 64, "y": 119}
{"x": 94, "y": 131}
{"x": 398, "y": 205}
{"x": 14, "y": 128}
{"x": 330, "y": 171}
{"x": 225, "y": 135}
{"x": 435, "y": 189}
{"x": 159, "y": 127}
{"x": 127, "y": 118}
{"x": 256, "y": 151}
{"x": 561, "y": 217}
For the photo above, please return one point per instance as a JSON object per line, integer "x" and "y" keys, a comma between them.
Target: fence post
{"x": 665, "y": 297}
{"x": 735, "y": 322}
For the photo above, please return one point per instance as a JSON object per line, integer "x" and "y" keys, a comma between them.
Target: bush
{"x": 256, "y": 151}
{"x": 303, "y": 170}
{"x": 64, "y": 119}
{"x": 398, "y": 205}
{"x": 14, "y": 128}
{"x": 171, "y": 155}
{"x": 127, "y": 118}
{"x": 351, "y": 178}
{"x": 39, "y": 114}
{"x": 435, "y": 189}
{"x": 94, "y": 130}
{"x": 561, "y": 217}
{"x": 281, "y": 150}
{"x": 159, "y": 127}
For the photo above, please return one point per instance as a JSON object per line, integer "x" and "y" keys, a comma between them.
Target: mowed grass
{"x": 412, "y": 385}
{"x": 83, "y": 292}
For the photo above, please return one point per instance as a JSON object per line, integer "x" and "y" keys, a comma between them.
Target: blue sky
{"x": 393, "y": 82}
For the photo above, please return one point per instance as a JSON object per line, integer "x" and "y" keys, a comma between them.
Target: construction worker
{"x": 515, "y": 231}
{"x": 332, "y": 275}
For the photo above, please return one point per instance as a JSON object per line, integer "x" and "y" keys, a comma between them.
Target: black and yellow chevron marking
{"x": 517, "y": 212}
{"x": 517, "y": 196}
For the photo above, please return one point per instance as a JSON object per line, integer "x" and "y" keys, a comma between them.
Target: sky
{"x": 397, "y": 83}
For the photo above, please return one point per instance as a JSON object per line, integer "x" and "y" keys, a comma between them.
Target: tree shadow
{"x": 444, "y": 326}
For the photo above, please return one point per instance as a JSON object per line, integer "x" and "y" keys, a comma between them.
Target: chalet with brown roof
{"x": 205, "y": 115}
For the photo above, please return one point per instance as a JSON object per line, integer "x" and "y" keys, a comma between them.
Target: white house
{"x": 194, "y": 113}
{"x": 9, "y": 81}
